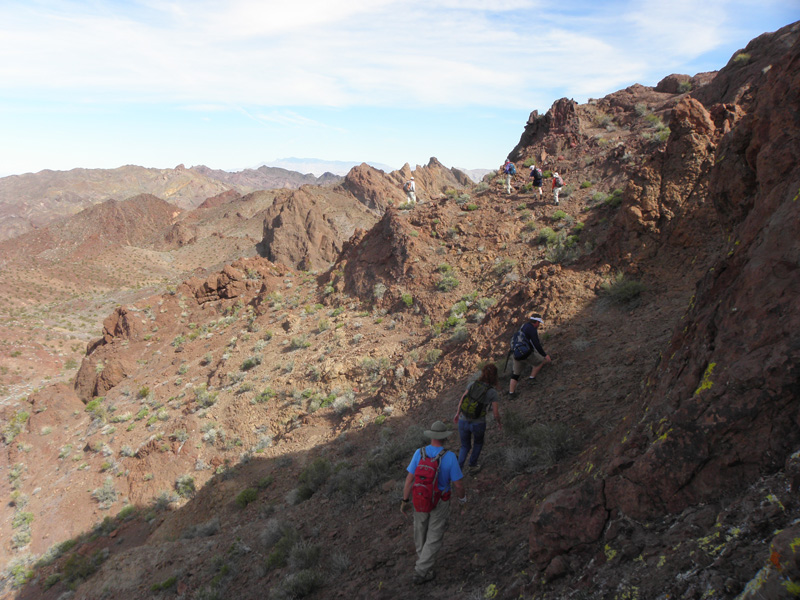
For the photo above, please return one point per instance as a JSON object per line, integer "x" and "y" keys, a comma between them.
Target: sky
{"x": 234, "y": 84}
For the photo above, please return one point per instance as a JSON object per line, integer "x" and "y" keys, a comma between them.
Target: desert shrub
{"x": 250, "y": 363}
{"x": 558, "y": 215}
{"x": 378, "y": 290}
{"x": 266, "y": 395}
{"x": 471, "y": 207}
{"x": 641, "y": 109}
{"x": 444, "y": 268}
{"x": 621, "y": 290}
{"x": 184, "y": 486}
{"x": 78, "y": 567}
{"x": 547, "y": 236}
{"x": 143, "y": 392}
{"x": 614, "y": 199}
{"x": 313, "y": 477}
{"x": 447, "y": 283}
{"x": 246, "y": 496}
{"x": 298, "y": 585}
{"x": 537, "y": 444}
{"x": 684, "y": 86}
{"x": 15, "y": 425}
{"x": 433, "y": 355}
{"x": 280, "y": 549}
{"x": 164, "y": 585}
{"x": 586, "y": 184}
{"x": 205, "y": 529}
{"x": 203, "y": 397}
{"x": 529, "y": 225}
{"x": 299, "y": 342}
{"x": 407, "y": 299}
{"x": 350, "y": 483}
{"x": 105, "y": 495}
{"x": 304, "y": 555}
{"x": 21, "y": 519}
{"x": 460, "y": 334}
{"x": 503, "y": 267}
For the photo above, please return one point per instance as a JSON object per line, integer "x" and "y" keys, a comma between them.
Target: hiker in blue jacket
{"x": 536, "y": 359}
{"x": 429, "y": 527}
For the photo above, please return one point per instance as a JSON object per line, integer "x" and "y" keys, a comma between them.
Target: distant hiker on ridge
{"x": 536, "y": 174}
{"x": 558, "y": 183}
{"x": 410, "y": 189}
{"x": 430, "y": 474}
{"x": 471, "y": 415}
{"x": 510, "y": 169}
{"x": 527, "y": 350}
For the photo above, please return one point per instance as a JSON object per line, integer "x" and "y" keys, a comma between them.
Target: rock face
{"x": 722, "y": 404}
{"x": 308, "y": 229}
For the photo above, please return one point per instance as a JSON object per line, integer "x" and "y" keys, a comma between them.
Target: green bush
{"x": 503, "y": 267}
{"x": 143, "y": 392}
{"x": 265, "y": 396}
{"x": 313, "y": 477}
{"x": 299, "y": 342}
{"x": 447, "y": 283}
{"x": 250, "y": 363}
{"x": 246, "y": 496}
{"x": 185, "y": 487}
{"x": 622, "y": 290}
{"x": 547, "y": 236}
{"x": 15, "y": 426}
{"x": 586, "y": 184}
{"x": 407, "y": 299}
{"x": 558, "y": 215}
{"x": 444, "y": 268}
{"x": 615, "y": 199}
{"x": 164, "y": 585}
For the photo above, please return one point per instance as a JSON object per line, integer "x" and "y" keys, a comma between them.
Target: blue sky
{"x": 157, "y": 83}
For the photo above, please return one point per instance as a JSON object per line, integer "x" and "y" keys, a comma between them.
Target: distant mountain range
{"x": 319, "y": 167}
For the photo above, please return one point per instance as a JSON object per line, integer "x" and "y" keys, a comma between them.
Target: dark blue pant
{"x": 466, "y": 430}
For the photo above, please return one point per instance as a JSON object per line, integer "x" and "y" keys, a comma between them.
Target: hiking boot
{"x": 513, "y": 394}
{"x": 474, "y": 469}
{"x": 420, "y": 579}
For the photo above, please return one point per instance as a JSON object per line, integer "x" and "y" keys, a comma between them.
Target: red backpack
{"x": 426, "y": 492}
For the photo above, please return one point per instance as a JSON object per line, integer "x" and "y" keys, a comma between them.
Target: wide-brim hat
{"x": 438, "y": 431}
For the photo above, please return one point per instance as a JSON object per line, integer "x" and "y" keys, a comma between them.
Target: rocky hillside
{"x": 245, "y": 433}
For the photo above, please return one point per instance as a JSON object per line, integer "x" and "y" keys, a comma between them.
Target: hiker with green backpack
{"x": 470, "y": 416}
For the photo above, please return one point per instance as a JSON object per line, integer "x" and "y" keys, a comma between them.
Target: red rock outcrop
{"x": 722, "y": 407}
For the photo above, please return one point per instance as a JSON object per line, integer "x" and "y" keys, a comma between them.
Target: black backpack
{"x": 473, "y": 406}
{"x": 521, "y": 346}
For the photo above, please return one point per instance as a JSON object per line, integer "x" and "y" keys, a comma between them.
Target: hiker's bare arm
{"x": 461, "y": 491}
{"x": 496, "y": 413}
{"x": 458, "y": 407}
{"x": 407, "y": 486}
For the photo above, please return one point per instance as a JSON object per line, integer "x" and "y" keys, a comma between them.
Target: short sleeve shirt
{"x": 448, "y": 467}
{"x": 491, "y": 398}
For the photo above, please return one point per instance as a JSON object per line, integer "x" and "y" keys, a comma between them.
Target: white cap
{"x": 536, "y": 318}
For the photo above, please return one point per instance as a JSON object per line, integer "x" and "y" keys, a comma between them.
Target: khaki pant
{"x": 429, "y": 531}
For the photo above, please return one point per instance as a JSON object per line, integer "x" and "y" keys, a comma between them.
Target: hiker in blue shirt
{"x": 535, "y": 359}
{"x": 429, "y": 527}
